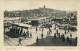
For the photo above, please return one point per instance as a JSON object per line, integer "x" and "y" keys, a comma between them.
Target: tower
{"x": 44, "y": 6}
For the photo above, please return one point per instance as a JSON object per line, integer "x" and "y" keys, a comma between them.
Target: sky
{"x": 33, "y": 4}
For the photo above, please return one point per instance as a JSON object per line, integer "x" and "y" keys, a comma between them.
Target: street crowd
{"x": 23, "y": 33}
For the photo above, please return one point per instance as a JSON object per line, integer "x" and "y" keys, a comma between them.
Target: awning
{"x": 21, "y": 25}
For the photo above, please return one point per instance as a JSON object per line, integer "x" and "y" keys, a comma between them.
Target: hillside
{"x": 40, "y": 12}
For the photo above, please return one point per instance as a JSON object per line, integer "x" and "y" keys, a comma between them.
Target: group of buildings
{"x": 41, "y": 16}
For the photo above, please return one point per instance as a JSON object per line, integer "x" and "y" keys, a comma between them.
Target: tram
{"x": 19, "y": 29}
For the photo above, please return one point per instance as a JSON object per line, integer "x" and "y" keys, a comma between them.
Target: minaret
{"x": 44, "y": 6}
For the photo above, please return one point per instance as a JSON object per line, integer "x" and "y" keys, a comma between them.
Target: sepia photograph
{"x": 40, "y": 25}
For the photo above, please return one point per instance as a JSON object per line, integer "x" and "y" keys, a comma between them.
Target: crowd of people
{"x": 68, "y": 39}
{"x": 62, "y": 36}
{"x": 19, "y": 32}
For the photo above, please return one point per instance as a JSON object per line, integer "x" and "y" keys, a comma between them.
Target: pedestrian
{"x": 63, "y": 37}
{"x": 27, "y": 34}
{"x": 24, "y": 34}
{"x": 70, "y": 35}
{"x": 30, "y": 35}
{"x": 37, "y": 41}
{"x": 75, "y": 43}
{"x": 65, "y": 31}
{"x": 42, "y": 35}
{"x": 55, "y": 35}
{"x": 47, "y": 33}
{"x": 57, "y": 31}
{"x": 59, "y": 35}
{"x": 68, "y": 29}
{"x": 68, "y": 40}
{"x": 50, "y": 30}
{"x": 20, "y": 40}
{"x": 42, "y": 29}
{"x": 36, "y": 28}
